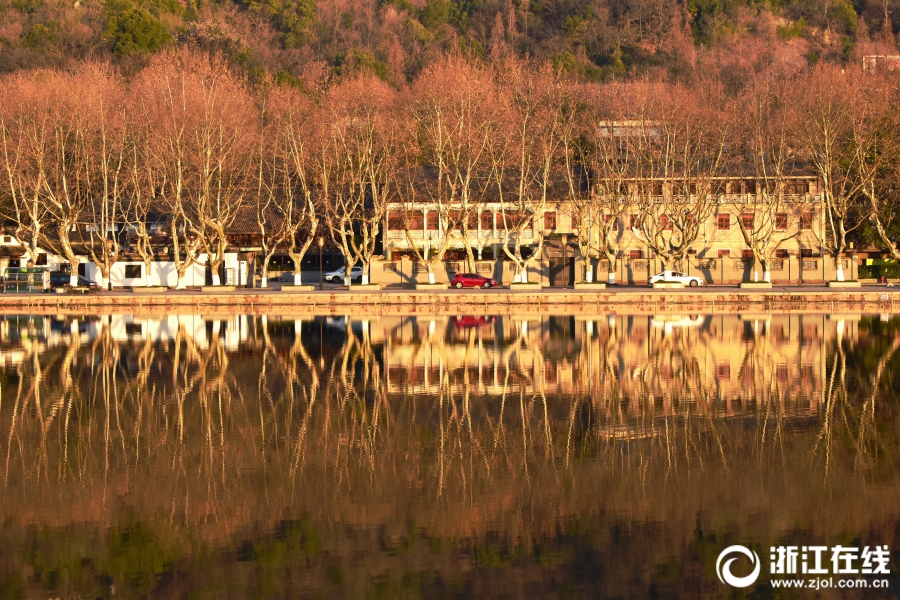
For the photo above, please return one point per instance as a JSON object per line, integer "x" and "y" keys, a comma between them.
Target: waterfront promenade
{"x": 337, "y": 300}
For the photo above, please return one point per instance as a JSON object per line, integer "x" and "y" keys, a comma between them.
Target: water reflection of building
{"x": 658, "y": 364}
{"x": 622, "y": 365}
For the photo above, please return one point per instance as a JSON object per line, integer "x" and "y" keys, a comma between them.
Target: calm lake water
{"x": 440, "y": 457}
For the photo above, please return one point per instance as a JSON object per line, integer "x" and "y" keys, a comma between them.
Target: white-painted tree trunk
{"x": 102, "y": 281}
{"x": 348, "y": 281}
{"x": 767, "y": 276}
{"x": 524, "y": 275}
{"x": 298, "y": 279}
{"x": 365, "y": 278}
{"x": 264, "y": 282}
{"x": 589, "y": 274}
{"x": 180, "y": 283}
{"x": 431, "y": 277}
{"x": 147, "y": 276}
{"x": 840, "y": 271}
{"x": 216, "y": 280}
{"x": 73, "y": 279}
{"x": 611, "y": 277}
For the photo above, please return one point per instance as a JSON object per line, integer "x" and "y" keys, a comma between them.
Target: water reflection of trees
{"x": 481, "y": 452}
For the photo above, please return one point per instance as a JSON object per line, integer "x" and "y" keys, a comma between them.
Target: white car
{"x": 338, "y": 275}
{"x": 675, "y": 276}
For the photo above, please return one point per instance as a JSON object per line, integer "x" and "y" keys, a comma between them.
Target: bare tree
{"x": 776, "y": 204}
{"x": 146, "y": 182}
{"x": 203, "y": 140}
{"x": 679, "y": 141}
{"x": 159, "y": 97}
{"x": 107, "y": 181}
{"x": 47, "y": 154}
{"x": 876, "y": 152}
{"x": 829, "y": 134}
{"x": 526, "y": 157}
{"x": 453, "y": 108}
{"x": 607, "y": 166}
{"x": 25, "y": 132}
{"x": 272, "y": 183}
{"x": 356, "y": 167}
{"x": 300, "y": 133}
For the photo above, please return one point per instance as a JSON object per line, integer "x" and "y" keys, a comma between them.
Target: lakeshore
{"x": 634, "y": 299}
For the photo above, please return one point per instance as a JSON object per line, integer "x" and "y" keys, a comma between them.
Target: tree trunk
{"x": 73, "y": 275}
{"x": 147, "y": 274}
{"x": 365, "y": 274}
{"x": 216, "y": 280}
{"x": 588, "y": 271}
{"x": 430, "y": 268}
{"x": 470, "y": 259}
{"x": 838, "y": 267}
{"x": 767, "y": 276}
{"x": 298, "y": 278}
{"x": 611, "y": 272}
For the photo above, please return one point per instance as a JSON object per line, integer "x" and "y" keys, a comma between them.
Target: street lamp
{"x": 321, "y": 243}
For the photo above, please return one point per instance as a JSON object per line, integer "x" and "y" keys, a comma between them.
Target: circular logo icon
{"x": 723, "y": 566}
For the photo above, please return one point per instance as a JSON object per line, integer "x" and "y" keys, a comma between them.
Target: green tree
{"x": 136, "y": 31}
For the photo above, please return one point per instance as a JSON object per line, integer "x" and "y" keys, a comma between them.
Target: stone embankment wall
{"x": 882, "y": 300}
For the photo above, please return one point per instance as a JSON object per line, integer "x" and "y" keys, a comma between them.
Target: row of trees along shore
{"x": 185, "y": 138}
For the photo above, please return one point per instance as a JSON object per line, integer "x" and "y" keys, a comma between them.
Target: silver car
{"x": 337, "y": 276}
{"x": 676, "y": 277}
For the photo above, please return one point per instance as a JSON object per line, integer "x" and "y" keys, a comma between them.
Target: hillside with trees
{"x": 307, "y": 43}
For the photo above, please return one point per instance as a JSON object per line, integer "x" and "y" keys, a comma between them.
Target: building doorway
{"x": 562, "y": 272}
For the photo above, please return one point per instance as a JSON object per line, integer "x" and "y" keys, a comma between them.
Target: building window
{"x": 550, "y": 220}
{"x": 415, "y": 221}
{"x": 724, "y": 253}
{"x": 781, "y": 221}
{"x": 508, "y": 220}
{"x": 782, "y": 253}
{"x": 487, "y": 220}
{"x": 635, "y": 221}
{"x": 723, "y": 221}
{"x": 747, "y": 253}
{"x": 635, "y": 254}
{"x": 133, "y": 271}
{"x": 665, "y": 223}
{"x": 806, "y": 220}
{"x": 433, "y": 221}
{"x": 614, "y": 225}
{"x": 723, "y": 371}
{"x": 395, "y": 221}
{"x": 796, "y": 188}
{"x": 576, "y": 220}
{"x": 41, "y": 259}
{"x": 7, "y": 239}
{"x": 747, "y": 221}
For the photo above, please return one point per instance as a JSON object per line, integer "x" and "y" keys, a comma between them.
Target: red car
{"x": 470, "y": 321}
{"x": 471, "y": 280}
